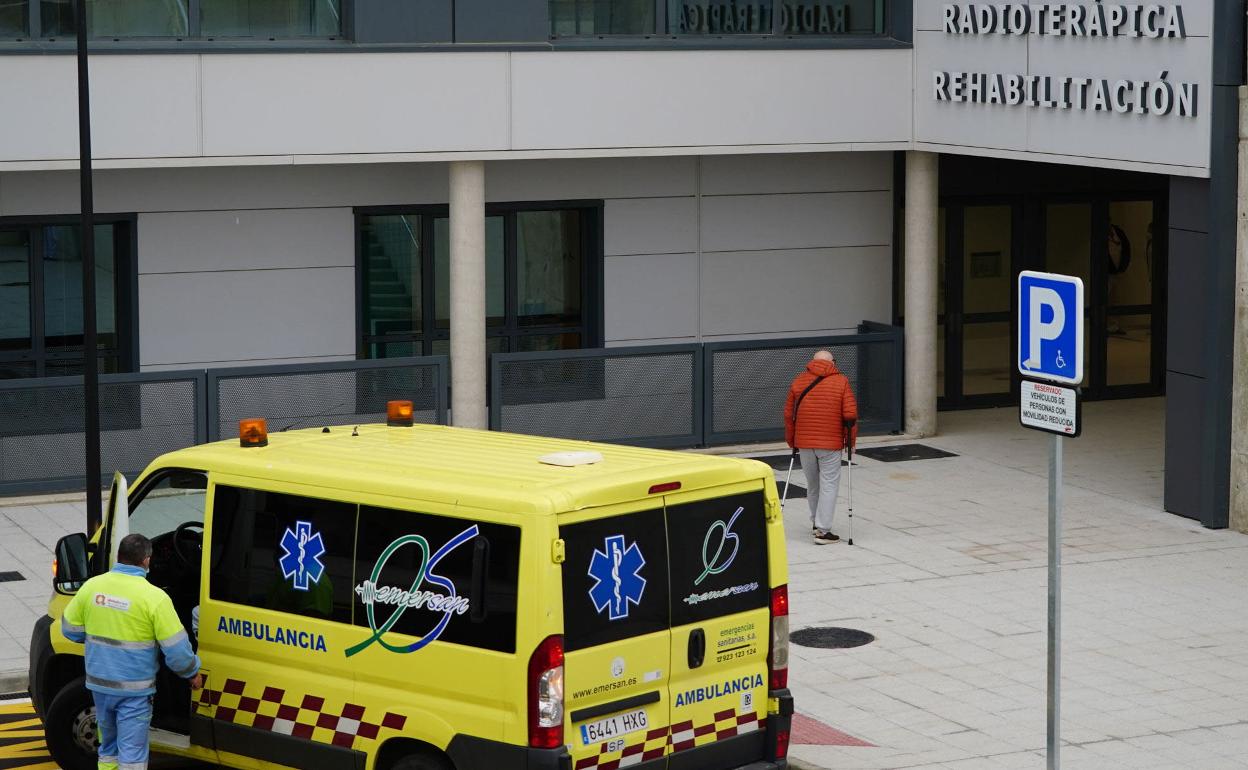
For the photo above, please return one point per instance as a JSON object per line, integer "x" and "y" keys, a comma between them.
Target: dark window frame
{"x": 125, "y": 288}
{"x": 592, "y": 260}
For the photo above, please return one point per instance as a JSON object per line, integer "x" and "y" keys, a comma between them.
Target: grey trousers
{"x": 823, "y": 480}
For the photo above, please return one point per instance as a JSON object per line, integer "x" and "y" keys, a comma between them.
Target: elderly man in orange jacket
{"x": 820, "y": 420}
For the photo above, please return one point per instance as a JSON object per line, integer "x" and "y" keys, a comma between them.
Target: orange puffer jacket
{"x": 823, "y": 412}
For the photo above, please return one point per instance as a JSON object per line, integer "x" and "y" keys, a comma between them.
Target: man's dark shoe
{"x": 823, "y": 538}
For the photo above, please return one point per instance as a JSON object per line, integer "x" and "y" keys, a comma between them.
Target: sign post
{"x": 1050, "y": 349}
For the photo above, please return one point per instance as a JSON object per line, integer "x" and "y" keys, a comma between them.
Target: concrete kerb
{"x": 13, "y": 682}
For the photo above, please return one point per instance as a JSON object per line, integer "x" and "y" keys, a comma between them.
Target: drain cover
{"x": 903, "y": 452}
{"x": 10, "y": 577}
{"x": 831, "y": 638}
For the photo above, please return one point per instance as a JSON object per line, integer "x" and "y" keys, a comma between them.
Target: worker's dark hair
{"x": 133, "y": 549}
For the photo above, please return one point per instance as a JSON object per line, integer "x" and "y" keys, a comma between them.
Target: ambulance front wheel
{"x": 70, "y": 727}
{"x": 421, "y": 762}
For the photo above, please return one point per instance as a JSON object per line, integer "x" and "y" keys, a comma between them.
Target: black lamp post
{"x": 90, "y": 371}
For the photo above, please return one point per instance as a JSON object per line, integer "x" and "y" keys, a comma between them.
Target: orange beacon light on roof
{"x": 253, "y": 432}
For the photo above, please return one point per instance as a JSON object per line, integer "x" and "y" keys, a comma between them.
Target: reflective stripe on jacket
{"x": 123, "y": 620}
{"x": 823, "y": 413}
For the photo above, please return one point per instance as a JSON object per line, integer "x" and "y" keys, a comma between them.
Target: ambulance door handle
{"x": 697, "y": 648}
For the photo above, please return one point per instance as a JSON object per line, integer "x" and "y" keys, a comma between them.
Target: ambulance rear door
{"x": 720, "y": 599}
{"x": 616, "y": 635}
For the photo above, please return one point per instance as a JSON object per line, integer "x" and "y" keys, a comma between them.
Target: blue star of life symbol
{"x": 301, "y": 558}
{"x": 617, "y": 577}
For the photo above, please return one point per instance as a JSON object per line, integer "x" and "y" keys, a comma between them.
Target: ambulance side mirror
{"x": 71, "y": 563}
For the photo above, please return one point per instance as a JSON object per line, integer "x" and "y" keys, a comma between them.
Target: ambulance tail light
{"x": 546, "y": 694}
{"x": 253, "y": 432}
{"x": 781, "y": 748}
{"x": 778, "y": 658}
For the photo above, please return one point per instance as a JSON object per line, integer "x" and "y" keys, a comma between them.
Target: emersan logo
{"x": 719, "y": 690}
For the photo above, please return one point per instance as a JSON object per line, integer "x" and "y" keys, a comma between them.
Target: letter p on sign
{"x": 1050, "y": 327}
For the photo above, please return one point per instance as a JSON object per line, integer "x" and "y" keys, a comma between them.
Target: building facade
{"x": 316, "y": 181}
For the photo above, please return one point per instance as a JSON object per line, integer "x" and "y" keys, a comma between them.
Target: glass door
{"x": 1133, "y": 360}
{"x": 1110, "y": 245}
{"x": 981, "y": 254}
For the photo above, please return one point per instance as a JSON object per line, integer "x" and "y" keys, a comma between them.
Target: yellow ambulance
{"x": 408, "y": 597}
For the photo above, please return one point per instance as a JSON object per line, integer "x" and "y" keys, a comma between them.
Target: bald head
{"x": 824, "y": 355}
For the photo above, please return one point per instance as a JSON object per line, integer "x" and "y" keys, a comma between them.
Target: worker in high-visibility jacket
{"x": 124, "y": 620}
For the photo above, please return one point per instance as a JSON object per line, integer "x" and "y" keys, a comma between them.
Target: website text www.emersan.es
{"x": 605, "y": 688}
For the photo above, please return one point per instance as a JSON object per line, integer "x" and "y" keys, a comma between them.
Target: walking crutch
{"x": 785, "y": 496}
{"x": 850, "y": 448}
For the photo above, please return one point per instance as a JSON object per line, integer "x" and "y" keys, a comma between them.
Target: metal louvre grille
{"x": 747, "y": 385}
{"x": 306, "y": 397}
{"x": 141, "y": 417}
{"x": 646, "y": 396}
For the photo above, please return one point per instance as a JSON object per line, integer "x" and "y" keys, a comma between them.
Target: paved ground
{"x": 948, "y": 572}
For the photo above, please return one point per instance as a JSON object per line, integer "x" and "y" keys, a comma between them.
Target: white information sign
{"x": 1049, "y": 408}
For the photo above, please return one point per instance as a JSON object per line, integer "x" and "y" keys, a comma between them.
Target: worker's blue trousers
{"x": 123, "y": 722}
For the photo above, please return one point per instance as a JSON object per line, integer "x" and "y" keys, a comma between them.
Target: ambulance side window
{"x": 719, "y": 557}
{"x": 283, "y": 552}
{"x": 615, "y": 582}
{"x": 405, "y": 561}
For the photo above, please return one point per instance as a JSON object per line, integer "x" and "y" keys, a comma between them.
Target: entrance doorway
{"x": 1105, "y": 239}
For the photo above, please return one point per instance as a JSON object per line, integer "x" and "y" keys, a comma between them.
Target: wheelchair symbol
{"x": 1061, "y": 362}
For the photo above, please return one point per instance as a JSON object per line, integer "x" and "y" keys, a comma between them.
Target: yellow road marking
{"x": 21, "y": 739}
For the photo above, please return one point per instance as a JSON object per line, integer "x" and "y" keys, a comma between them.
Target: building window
{"x": 14, "y": 18}
{"x": 573, "y": 18}
{"x": 541, "y": 265}
{"x": 268, "y": 19}
{"x": 117, "y": 18}
{"x": 788, "y": 18}
{"x": 41, "y": 299}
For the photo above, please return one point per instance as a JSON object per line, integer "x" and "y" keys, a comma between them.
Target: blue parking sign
{"x": 1050, "y": 327}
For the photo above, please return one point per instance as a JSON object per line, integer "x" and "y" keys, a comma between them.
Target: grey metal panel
{"x": 245, "y": 240}
{"x": 570, "y": 178}
{"x": 1186, "y": 296}
{"x": 799, "y": 221}
{"x": 402, "y": 21}
{"x": 1185, "y": 434}
{"x": 191, "y": 318}
{"x": 795, "y": 291}
{"x": 1189, "y": 205}
{"x": 650, "y": 226}
{"x": 501, "y": 21}
{"x": 650, "y": 296}
{"x": 1228, "y": 45}
{"x": 796, "y": 173}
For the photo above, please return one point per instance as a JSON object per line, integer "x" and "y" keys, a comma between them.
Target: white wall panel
{"x": 689, "y": 98}
{"x": 246, "y": 240}
{"x": 651, "y": 297}
{"x": 141, "y": 107}
{"x": 650, "y": 226}
{"x": 733, "y": 223}
{"x": 795, "y": 173}
{"x": 359, "y": 103}
{"x": 801, "y": 291}
{"x": 246, "y": 315}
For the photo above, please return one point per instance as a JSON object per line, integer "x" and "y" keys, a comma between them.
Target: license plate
{"x": 613, "y": 727}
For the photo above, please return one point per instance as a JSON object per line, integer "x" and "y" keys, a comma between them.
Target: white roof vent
{"x": 571, "y": 459}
